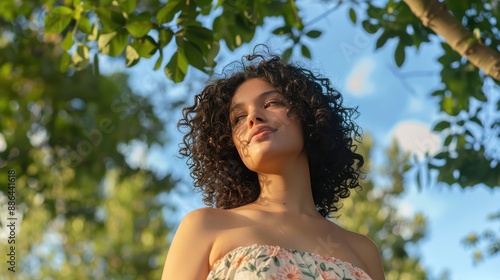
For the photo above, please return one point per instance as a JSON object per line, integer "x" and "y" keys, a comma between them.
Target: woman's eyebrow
{"x": 262, "y": 95}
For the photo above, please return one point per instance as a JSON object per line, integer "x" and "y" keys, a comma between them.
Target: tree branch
{"x": 434, "y": 15}
{"x": 406, "y": 75}
{"x": 324, "y": 14}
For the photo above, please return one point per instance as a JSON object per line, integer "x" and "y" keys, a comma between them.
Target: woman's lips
{"x": 261, "y": 131}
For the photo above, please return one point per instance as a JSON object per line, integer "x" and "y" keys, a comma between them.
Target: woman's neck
{"x": 288, "y": 190}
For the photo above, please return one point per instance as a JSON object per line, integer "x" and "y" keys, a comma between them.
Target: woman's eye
{"x": 272, "y": 103}
{"x": 237, "y": 119}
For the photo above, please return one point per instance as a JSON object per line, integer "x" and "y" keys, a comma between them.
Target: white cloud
{"x": 417, "y": 138}
{"x": 359, "y": 81}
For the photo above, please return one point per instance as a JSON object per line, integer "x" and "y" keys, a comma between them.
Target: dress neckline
{"x": 280, "y": 248}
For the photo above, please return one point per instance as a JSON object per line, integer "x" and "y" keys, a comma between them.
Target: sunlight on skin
{"x": 256, "y": 104}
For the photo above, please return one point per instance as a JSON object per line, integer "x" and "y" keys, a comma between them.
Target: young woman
{"x": 273, "y": 149}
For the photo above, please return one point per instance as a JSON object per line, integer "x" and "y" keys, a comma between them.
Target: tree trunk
{"x": 435, "y": 16}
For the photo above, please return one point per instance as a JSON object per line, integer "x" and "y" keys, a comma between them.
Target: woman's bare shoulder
{"x": 359, "y": 241}
{"x": 367, "y": 251}
{"x": 201, "y": 214}
{"x": 205, "y": 219}
{"x": 192, "y": 244}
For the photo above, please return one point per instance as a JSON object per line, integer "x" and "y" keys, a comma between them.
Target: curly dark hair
{"x": 329, "y": 131}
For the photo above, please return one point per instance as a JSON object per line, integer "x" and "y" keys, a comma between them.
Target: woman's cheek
{"x": 238, "y": 137}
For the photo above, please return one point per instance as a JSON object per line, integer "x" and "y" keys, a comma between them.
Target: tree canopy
{"x": 83, "y": 211}
{"x": 189, "y": 33}
{"x": 373, "y": 211}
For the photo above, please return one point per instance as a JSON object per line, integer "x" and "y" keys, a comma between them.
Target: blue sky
{"x": 368, "y": 79}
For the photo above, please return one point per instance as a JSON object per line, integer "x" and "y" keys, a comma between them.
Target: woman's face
{"x": 266, "y": 136}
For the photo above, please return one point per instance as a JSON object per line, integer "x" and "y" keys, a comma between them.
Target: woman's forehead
{"x": 252, "y": 89}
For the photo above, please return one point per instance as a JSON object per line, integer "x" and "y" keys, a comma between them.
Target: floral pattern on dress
{"x": 277, "y": 263}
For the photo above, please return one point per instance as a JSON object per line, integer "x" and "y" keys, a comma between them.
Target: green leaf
{"x": 476, "y": 120}
{"x": 188, "y": 15}
{"x": 290, "y": 16}
{"x": 479, "y": 95}
{"x": 206, "y": 10}
{"x": 68, "y": 41}
{"x": 399, "y": 54}
{"x": 442, "y": 125}
{"x": 77, "y": 10}
{"x": 369, "y": 27}
{"x": 164, "y": 37}
{"x": 203, "y": 3}
{"x": 322, "y": 266}
{"x": 146, "y": 46}
{"x": 276, "y": 261}
{"x": 448, "y": 139}
{"x": 131, "y": 56}
{"x": 94, "y": 34}
{"x": 64, "y": 62}
{"x": 158, "y": 62}
{"x": 105, "y": 2}
{"x": 282, "y": 30}
{"x": 461, "y": 140}
{"x": 305, "y": 51}
{"x": 438, "y": 92}
{"x": 112, "y": 43}
{"x": 200, "y": 36}
{"x": 111, "y": 18}
{"x": 84, "y": 25}
{"x": 194, "y": 56}
{"x": 307, "y": 273}
{"x": 352, "y": 15}
{"x": 176, "y": 68}
{"x": 80, "y": 58}
{"x": 287, "y": 54}
{"x": 127, "y": 6}
{"x": 57, "y": 19}
{"x": 167, "y": 13}
{"x": 416, "y": 40}
{"x": 95, "y": 65}
{"x": 139, "y": 25}
{"x": 469, "y": 133}
{"x": 441, "y": 155}
{"x": 104, "y": 40}
{"x": 447, "y": 105}
{"x": 212, "y": 54}
{"x": 313, "y": 34}
{"x": 241, "y": 29}
{"x": 199, "y": 31}
{"x": 87, "y": 5}
{"x": 251, "y": 266}
{"x": 382, "y": 40}
{"x": 6, "y": 70}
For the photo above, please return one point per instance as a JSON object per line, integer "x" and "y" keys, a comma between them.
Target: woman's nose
{"x": 255, "y": 118}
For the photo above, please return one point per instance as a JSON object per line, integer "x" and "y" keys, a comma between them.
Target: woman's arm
{"x": 188, "y": 254}
{"x": 373, "y": 260}
{"x": 368, "y": 253}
